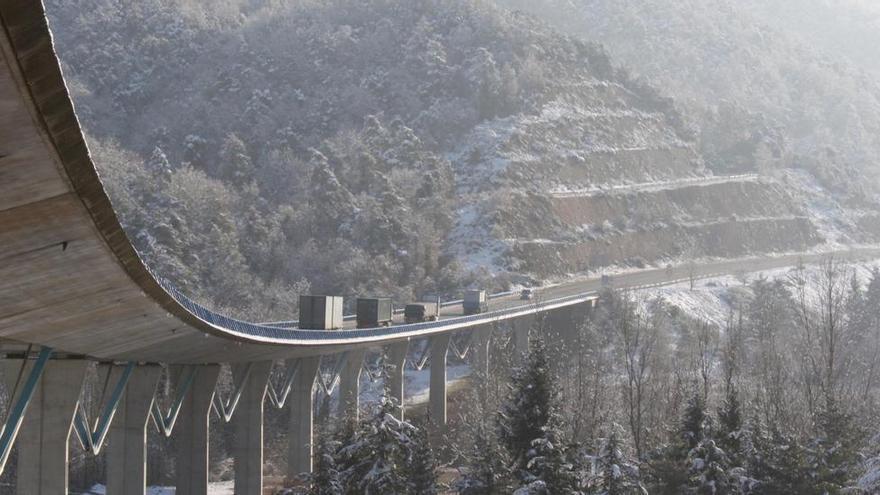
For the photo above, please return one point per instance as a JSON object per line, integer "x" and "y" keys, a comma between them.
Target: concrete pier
{"x": 350, "y": 384}
{"x": 43, "y": 440}
{"x": 437, "y": 391}
{"x": 127, "y": 439}
{"x": 521, "y": 328}
{"x": 247, "y": 449}
{"x": 192, "y": 432}
{"x": 300, "y": 447}
{"x": 395, "y": 355}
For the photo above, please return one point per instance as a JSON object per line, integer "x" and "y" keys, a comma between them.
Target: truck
{"x": 320, "y": 312}
{"x": 374, "y": 312}
{"x": 475, "y": 301}
{"x": 426, "y": 310}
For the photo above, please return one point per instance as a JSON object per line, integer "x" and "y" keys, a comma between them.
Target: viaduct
{"x": 73, "y": 291}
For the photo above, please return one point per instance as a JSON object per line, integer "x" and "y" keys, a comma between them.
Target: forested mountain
{"x": 257, "y": 150}
{"x": 770, "y": 83}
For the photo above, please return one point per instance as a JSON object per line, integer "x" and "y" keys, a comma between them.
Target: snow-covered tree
{"x": 530, "y": 405}
{"x": 615, "y": 476}
{"x": 730, "y": 426}
{"x": 325, "y": 479}
{"x": 708, "y": 471}
{"x": 834, "y": 452}
{"x": 378, "y": 457}
{"x": 486, "y": 471}
{"x": 423, "y": 465}
{"x": 550, "y": 462}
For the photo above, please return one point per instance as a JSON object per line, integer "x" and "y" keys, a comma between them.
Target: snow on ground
{"x": 709, "y": 300}
{"x": 564, "y": 192}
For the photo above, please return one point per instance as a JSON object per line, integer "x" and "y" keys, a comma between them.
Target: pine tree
{"x": 325, "y": 479}
{"x": 693, "y": 426}
{"x": 730, "y": 427}
{"x": 379, "y": 457}
{"x": 708, "y": 471}
{"x": 779, "y": 465}
{"x": 615, "y": 476}
{"x": 529, "y": 406}
{"x": 486, "y": 472}
{"x": 548, "y": 461}
{"x": 834, "y": 452}
{"x": 423, "y": 467}
{"x": 670, "y": 466}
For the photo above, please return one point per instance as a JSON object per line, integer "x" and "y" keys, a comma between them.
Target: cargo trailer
{"x": 421, "y": 311}
{"x": 320, "y": 312}
{"x": 475, "y": 301}
{"x": 374, "y": 312}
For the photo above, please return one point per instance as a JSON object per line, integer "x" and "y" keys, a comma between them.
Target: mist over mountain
{"x": 770, "y": 84}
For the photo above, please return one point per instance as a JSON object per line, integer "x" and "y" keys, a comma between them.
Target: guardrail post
{"x": 437, "y": 391}
{"x": 349, "y": 384}
{"x": 45, "y": 432}
{"x": 127, "y": 444}
{"x": 395, "y": 355}
{"x": 193, "y": 420}
{"x": 300, "y": 446}
{"x": 247, "y": 450}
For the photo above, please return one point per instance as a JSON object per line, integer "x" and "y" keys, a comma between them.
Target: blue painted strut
{"x": 92, "y": 439}
{"x": 16, "y": 414}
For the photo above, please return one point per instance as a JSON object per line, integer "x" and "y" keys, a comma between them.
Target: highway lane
{"x": 653, "y": 276}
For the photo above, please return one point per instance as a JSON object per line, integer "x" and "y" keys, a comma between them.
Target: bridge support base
{"x": 395, "y": 355}
{"x": 43, "y": 438}
{"x": 437, "y": 391}
{"x": 127, "y": 446}
{"x": 300, "y": 448}
{"x": 192, "y": 423}
{"x": 247, "y": 450}
{"x": 350, "y": 384}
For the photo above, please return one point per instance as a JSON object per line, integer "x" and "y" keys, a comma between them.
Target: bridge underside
{"x": 69, "y": 277}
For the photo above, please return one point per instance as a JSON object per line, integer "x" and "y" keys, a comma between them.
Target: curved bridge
{"x": 71, "y": 281}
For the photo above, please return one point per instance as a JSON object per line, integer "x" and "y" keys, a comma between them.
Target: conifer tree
{"x": 325, "y": 479}
{"x": 614, "y": 475}
{"x": 529, "y": 406}
{"x": 549, "y": 462}
{"x": 486, "y": 472}
{"x": 423, "y": 467}
{"x": 834, "y": 452}
{"x": 779, "y": 465}
{"x": 730, "y": 427}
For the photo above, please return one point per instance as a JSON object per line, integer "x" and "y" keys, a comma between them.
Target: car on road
{"x": 527, "y": 294}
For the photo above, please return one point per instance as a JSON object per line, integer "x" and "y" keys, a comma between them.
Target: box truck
{"x": 374, "y": 312}
{"x": 475, "y": 301}
{"x": 320, "y": 312}
{"x": 426, "y": 310}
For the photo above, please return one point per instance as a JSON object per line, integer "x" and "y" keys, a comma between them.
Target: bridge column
{"x": 192, "y": 425}
{"x": 127, "y": 440}
{"x": 247, "y": 449}
{"x": 437, "y": 391}
{"x": 350, "y": 384}
{"x": 521, "y": 328}
{"x": 480, "y": 367}
{"x": 300, "y": 447}
{"x": 43, "y": 439}
{"x": 395, "y": 355}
